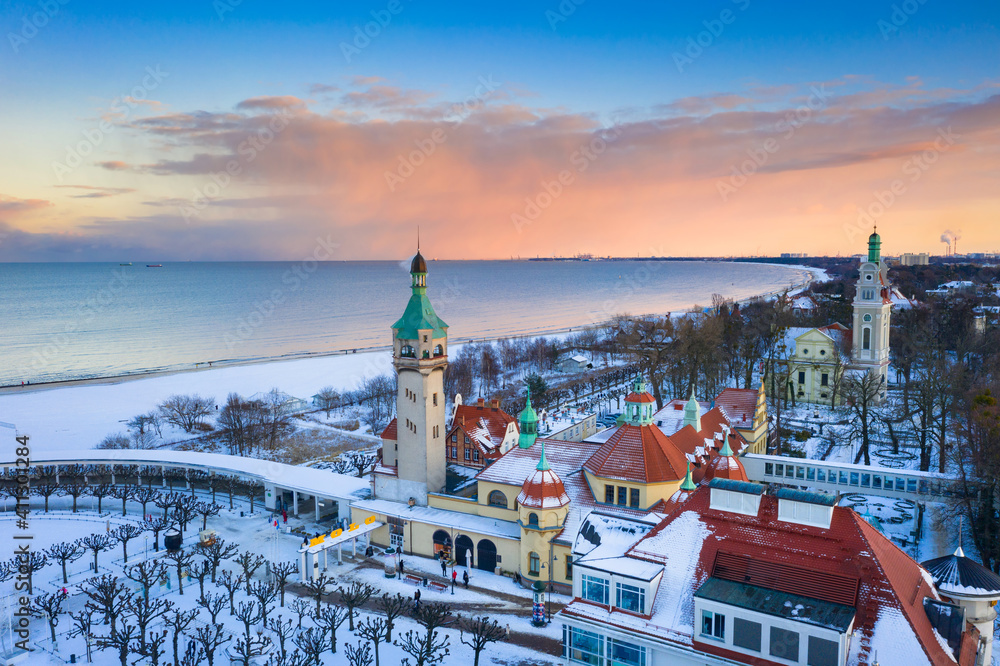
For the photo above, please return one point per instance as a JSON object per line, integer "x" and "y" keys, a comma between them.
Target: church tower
{"x": 420, "y": 356}
{"x": 872, "y": 308}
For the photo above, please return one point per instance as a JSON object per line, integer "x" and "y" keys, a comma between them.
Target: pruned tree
{"x": 64, "y": 553}
{"x": 124, "y": 493}
{"x": 354, "y": 596}
{"x": 233, "y": 485}
{"x": 193, "y": 655}
{"x": 125, "y": 533}
{"x": 425, "y": 650}
{"x": 482, "y": 631}
{"x": 249, "y": 646}
{"x": 178, "y": 621}
{"x": 265, "y": 594}
{"x": 317, "y": 587}
{"x": 74, "y": 490}
{"x": 144, "y": 495}
{"x": 46, "y": 489}
{"x": 329, "y": 618}
{"x": 210, "y": 638}
{"x": 144, "y": 612}
{"x": 100, "y": 491}
{"x": 312, "y": 642}
{"x": 185, "y": 411}
{"x": 302, "y": 609}
{"x": 185, "y": 509}
{"x": 152, "y": 646}
{"x": 49, "y": 607}
{"x": 200, "y": 570}
{"x": 121, "y": 641}
{"x": 248, "y": 613}
{"x": 95, "y": 543}
{"x": 146, "y": 573}
{"x": 206, "y": 510}
{"x": 249, "y": 562}
{"x": 358, "y": 655}
{"x": 231, "y": 583}
{"x": 373, "y": 629}
{"x": 166, "y": 501}
{"x": 217, "y": 552}
{"x": 392, "y": 607}
{"x": 281, "y": 572}
{"x": 362, "y": 462}
{"x": 862, "y": 392}
{"x": 251, "y": 489}
{"x": 283, "y": 630}
{"x": 181, "y": 559}
{"x": 157, "y": 525}
{"x": 107, "y": 596}
{"x": 213, "y": 603}
{"x": 83, "y": 625}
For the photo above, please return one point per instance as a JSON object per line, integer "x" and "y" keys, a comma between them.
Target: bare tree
{"x": 47, "y": 488}
{"x": 378, "y": 395}
{"x": 206, "y": 510}
{"x": 250, "y": 613}
{"x": 281, "y": 572}
{"x": 83, "y": 628}
{"x": 313, "y": 644}
{"x": 249, "y": 562}
{"x": 265, "y": 594}
{"x": 151, "y": 646}
{"x": 392, "y": 607}
{"x": 329, "y": 618}
{"x": 28, "y": 563}
{"x": 125, "y": 533}
{"x": 317, "y": 587}
{"x": 210, "y": 637}
{"x": 193, "y": 655}
{"x": 373, "y": 630}
{"x": 358, "y": 655}
{"x": 74, "y": 490}
{"x": 118, "y": 440}
{"x": 327, "y": 399}
{"x": 243, "y": 425}
{"x": 231, "y": 583}
{"x": 121, "y": 641}
{"x": 430, "y": 648}
{"x": 862, "y": 392}
{"x": 217, "y": 552}
{"x": 146, "y": 573}
{"x": 200, "y": 570}
{"x": 124, "y": 493}
{"x": 302, "y": 609}
{"x": 185, "y": 509}
{"x": 107, "y": 596}
{"x": 185, "y": 411}
{"x": 213, "y": 603}
{"x": 100, "y": 491}
{"x": 354, "y": 596}
{"x": 157, "y": 525}
{"x": 251, "y": 489}
{"x": 283, "y": 630}
{"x": 95, "y": 543}
{"x": 362, "y": 462}
{"x": 181, "y": 559}
{"x": 178, "y": 621}
{"x": 144, "y": 495}
{"x": 49, "y": 607}
{"x": 482, "y": 631}
{"x": 144, "y": 612}
{"x": 63, "y": 553}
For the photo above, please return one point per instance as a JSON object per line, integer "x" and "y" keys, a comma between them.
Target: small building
{"x": 911, "y": 259}
{"x": 479, "y": 433}
{"x": 570, "y": 425}
{"x": 576, "y": 363}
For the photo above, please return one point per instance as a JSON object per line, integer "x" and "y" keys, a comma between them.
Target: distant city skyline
{"x": 233, "y": 130}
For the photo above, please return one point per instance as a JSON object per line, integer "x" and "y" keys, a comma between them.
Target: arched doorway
{"x": 463, "y": 550}
{"x": 442, "y": 542}
{"x": 486, "y": 555}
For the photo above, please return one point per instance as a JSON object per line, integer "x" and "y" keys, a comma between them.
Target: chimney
{"x": 481, "y": 403}
{"x": 494, "y": 404}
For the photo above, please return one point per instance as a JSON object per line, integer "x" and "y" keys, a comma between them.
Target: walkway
{"x": 278, "y": 478}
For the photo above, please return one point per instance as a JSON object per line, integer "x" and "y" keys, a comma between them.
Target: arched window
{"x": 533, "y": 563}
{"x": 407, "y": 351}
{"x": 438, "y": 350}
{"x": 497, "y": 498}
{"x": 866, "y": 338}
{"x": 533, "y": 519}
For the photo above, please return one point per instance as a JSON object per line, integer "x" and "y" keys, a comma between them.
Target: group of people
{"x": 454, "y": 574}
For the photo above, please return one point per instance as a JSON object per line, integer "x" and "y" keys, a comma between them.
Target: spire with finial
{"x": 688, "y": 483}
{"x": 543, "y": 464}
{"x": 692, "y": 413}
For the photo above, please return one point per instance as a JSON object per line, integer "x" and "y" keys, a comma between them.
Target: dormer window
{"x": 533, "y": 519}
{"x": 735, "y": 496}
{"x": 630, "y": 598}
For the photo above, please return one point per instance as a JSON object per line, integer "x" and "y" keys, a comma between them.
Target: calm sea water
{"x": 69, "y": 321}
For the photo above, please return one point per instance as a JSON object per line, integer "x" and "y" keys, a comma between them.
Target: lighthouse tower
{"x": 872, "y": 308}
{"x": 414, "y": 464}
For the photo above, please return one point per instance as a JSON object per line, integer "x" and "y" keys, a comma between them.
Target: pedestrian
{"x": 284, "y": 515}
{"x": 465, "y": 578}
{"x": 508, "y": 631}
{"x": 401, "y": 568}
{"x": 416, "y": 595}
{"x": 454, "y": 577}
{"x": 444, "y": 567}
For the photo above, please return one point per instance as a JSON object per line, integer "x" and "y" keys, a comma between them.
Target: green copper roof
{"x": 688, "y": 483}
{"x": 419, "y": 314}
{"x": 874, "y": 247}
{"x": 527, "y": 422}
{"x": 692, "y": 412}
{"x": 726, "y": 451}
{"x": 543, "y": 464}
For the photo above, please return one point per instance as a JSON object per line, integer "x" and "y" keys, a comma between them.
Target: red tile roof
{"x": 739, "y": 405}
{"x": 641, "y": 454}
{"x": 726, "y": 467}
{"x": 849, "y": 562}
{"x": 390, "y": 431}
{"x": 543, "y": 490}
{"x": 639, "y": 397}
{"x": 484, "y": 424}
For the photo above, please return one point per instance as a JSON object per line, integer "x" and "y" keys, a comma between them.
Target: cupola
{"x": 874, "y": 247}
{"x": 639, "y": 405}
{"x": 726, "y": 465}
{"x": 692, "y": 413}
{"x": 527, "y": 423}
{"x": 543, "y": 489}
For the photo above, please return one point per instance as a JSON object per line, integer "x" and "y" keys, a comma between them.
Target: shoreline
{"x": 814, "y": 274}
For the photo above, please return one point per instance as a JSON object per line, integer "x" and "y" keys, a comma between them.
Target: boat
{"x": 128, "y": 264}
{"x": 154, "y": 265}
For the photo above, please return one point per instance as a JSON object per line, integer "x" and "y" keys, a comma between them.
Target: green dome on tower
{"x": 874, "y": 247}
{"x": 527, "y": 423}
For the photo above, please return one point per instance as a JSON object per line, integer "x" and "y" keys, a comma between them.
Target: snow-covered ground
{"x": 511, "y": 608}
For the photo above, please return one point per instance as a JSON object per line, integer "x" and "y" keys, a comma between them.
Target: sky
{"x": 251, "y": 130}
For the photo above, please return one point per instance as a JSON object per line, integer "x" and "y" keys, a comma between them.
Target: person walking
{"x": 284, "y": 515}
{"x": 465, "y": 578}
{"x": 454, "y": 577}
{"x": 444, "y": 568}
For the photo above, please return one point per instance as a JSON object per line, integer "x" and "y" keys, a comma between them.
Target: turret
{"x": 692, "y": 413}
{"x": 874, "y": 248}
{"x": 527, "y": 423}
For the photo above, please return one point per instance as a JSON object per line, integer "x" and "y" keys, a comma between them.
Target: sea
{"x": 62, "y": 321}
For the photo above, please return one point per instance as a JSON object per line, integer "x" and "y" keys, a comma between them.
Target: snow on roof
{"x": 518, "y": 464}
{"x": 310, "y": 480}
{"x": 579, "y": 358}
{"x": 670, "y": 418}
{"x": 483, "y": 423}
{"x": 550, "y": 423}
{"x": 739, "y": 405}
{"x": 426, "y": 514}
{"x": 639, "y": 454}
{"x": 603, "y": 537}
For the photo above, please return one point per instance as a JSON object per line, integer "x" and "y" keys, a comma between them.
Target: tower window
{"x": 802, "y": 377}
{"x": 867, "y": 317}
{"x": 866, "y": 338}
{"x": 533, "y": 519}
{"x": 824, "y": 380}
{"x": 633, "y": 498}
{"x": 533, "y": 559}
{"x": 435, "y": 399}
{"x": 425, "y": 338}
